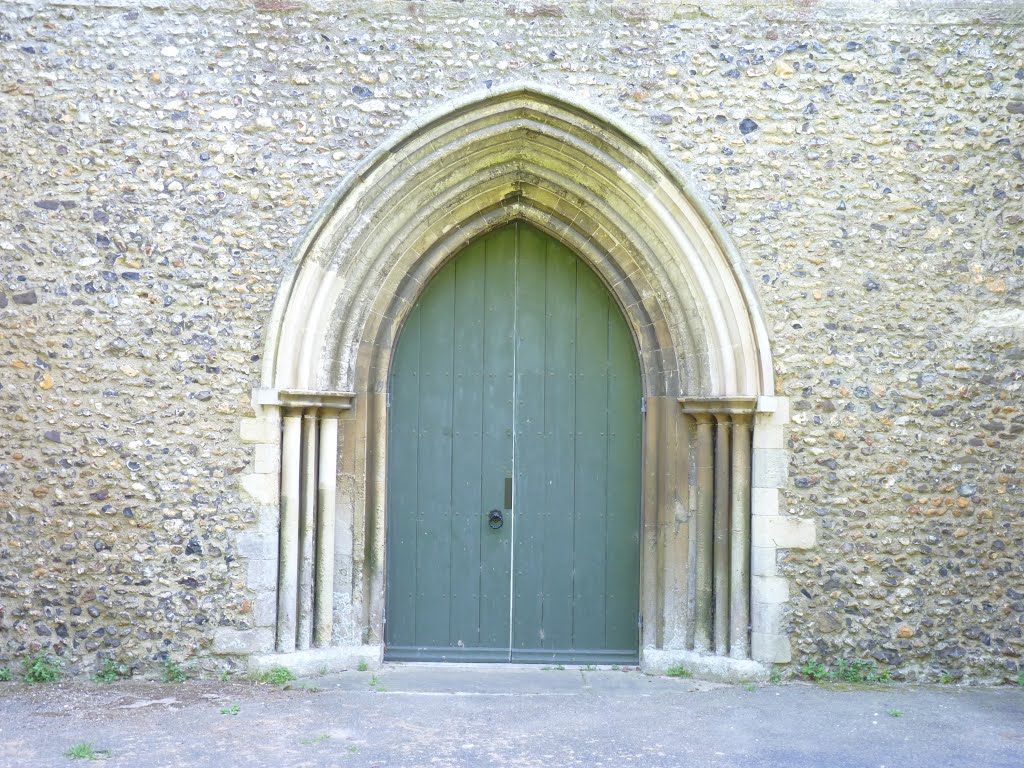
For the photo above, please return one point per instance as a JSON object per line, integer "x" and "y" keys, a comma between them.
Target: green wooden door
{"x": 515, "y": 389}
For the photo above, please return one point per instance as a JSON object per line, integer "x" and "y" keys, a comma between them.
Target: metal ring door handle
{"x": 495, "y": 519}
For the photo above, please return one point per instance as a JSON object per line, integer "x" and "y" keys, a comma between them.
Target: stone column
{"x": 288, "y": 530}
{"x": 704, "y": 578}
{"x": 327, "y": 477}
{"x": 739, "y": 534}
{"x": 722, "y": 550}
{"x": 722, "y": 561}
{"x": 306, "y": 535}
{"x": 307, "y": 529}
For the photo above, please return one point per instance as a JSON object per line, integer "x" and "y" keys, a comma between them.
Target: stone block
{"x": 763, "y": 561}
{"x": 719, "y": 669}
{"x": 261, "y": 488}
{"x": 242, "y": 642}
{"x": 319, "y": 661}
{"x": 255, "y": 546}
{"x": 770, "y": 648}
{"x": 770, "y": 468}
{"x": 783, "y": 532}
{"x": 267, "y": 459}
{"x": 767, "y": 618}
{"x": 258, "y": 429}
{"x": 764, "y": 502}
{"x": 262, "y": 575}
{"x": 769, "y": 436}
{"x": 264, "y": 609}
{"x": 769, "y": 589}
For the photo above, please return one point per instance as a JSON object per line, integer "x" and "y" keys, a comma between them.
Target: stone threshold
{"x": 325, "y": 661}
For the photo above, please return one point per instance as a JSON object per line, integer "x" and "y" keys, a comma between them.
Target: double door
{"x": 514, "y": 463}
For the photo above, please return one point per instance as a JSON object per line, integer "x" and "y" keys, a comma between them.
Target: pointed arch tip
{"x": 609, "y": 191}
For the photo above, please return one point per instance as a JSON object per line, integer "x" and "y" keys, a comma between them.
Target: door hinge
{"x": 387, "y": 400}
{"x": 643, "y": 405}
{"x": 640, "y": 622}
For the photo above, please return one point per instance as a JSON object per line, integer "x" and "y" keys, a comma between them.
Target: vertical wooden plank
{"x": 433, "y": 523}
{"x": 559, "y": 454}
{"x": 590, "y": 498}
{"x": 622, "y": 553}
{"x": 467, "y": 468}
{"x": 403, "y": 495}
{"x": 528, "y": 564}
{"x": 496, "y": 440}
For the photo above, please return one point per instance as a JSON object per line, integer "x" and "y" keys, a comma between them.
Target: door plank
{"x": 622, "y": 489}
{"x": 467, "y": 459}
{"x": 403, "y": 491}
{"x": 591, "y": 467}
{"x": 529, "y": 444}
{"x": 496, "y": 452}
{"x": 433, "y": 526}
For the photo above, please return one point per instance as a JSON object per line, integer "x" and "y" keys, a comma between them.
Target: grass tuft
{"x": 677, "y": 670}
{"x": 86, "y": 751}
{"x": 275, "y": 676}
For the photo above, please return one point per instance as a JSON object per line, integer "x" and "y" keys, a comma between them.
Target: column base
{"x": 319, "y": 661}
{"x": 716, "y": 669}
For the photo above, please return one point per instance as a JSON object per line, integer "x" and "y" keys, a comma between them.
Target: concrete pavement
{"x": 409, "y": 715}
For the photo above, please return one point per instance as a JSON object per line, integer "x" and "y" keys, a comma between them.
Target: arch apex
{"x": 530, "y": 151}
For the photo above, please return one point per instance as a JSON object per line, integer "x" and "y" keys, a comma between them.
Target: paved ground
{"x": 465, "y": 716}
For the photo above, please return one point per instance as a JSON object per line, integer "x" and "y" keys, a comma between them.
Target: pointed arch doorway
{"x": 713, "y": 455}
{"x": 514, "y": 464}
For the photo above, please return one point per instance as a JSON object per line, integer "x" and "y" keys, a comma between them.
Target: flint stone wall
{"x": 158, "y": 161}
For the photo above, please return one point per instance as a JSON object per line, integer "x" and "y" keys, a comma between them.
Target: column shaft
{"x": 722, "y": 524}
{"x": 703, "y": 581}
{"x": 739, "y": 593}
{"x": 307, "y": 528}
{"x": 327, "y": 478}
{"x": 288, "y": 554}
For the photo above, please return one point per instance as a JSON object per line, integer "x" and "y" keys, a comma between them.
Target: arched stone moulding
{"x": 518, "y": 153}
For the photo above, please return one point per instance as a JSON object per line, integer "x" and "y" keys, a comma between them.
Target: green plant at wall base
{"x": 844, "y": 671}
{"x": 362, "y": 666}
{"x": 40, "y": 668}
{"x": 86, "y": 751}
{"x": 895, "y": 712}
{"x": 858, "y": 671}
{"x": 111, "y": 671}
{"x": 1020, "y": 678}
{"x": 947, "y": 678}
{"x": 677, "y": 670}
{"x": 275, "y": 676}
{"x": 234, "y": 709}
{"x": 172, "y": 672}
{"x": 814, "y": 670}
{"x": 775, "y": 677}
{"x": 5, "y": 674}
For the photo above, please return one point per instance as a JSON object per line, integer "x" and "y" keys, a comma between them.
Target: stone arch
{"x": 524, "y": 153}
{"x": 521, "y": 152}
